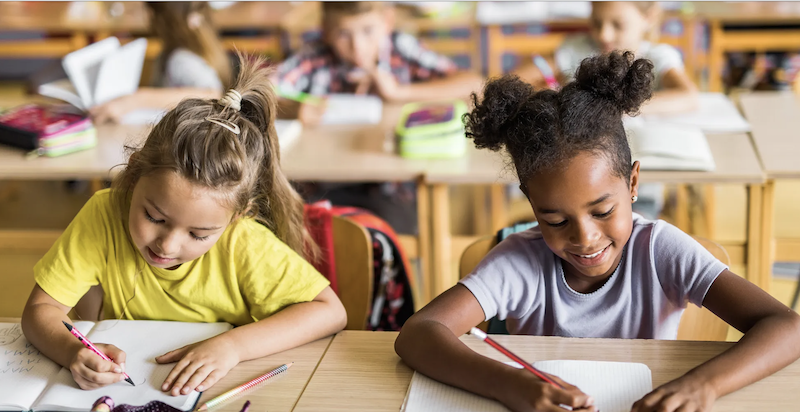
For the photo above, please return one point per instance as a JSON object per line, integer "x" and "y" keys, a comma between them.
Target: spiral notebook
{"x": 29, "y": 381}
{"x": 615, "y": 386}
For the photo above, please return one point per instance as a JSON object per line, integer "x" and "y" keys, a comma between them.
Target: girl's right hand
{"x": 525, "y": 392}
{"x": 91, "y": 371}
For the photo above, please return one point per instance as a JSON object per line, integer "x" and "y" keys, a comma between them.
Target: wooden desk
{"x": 279, "y": 395}
{"x": 735, "y": 159}
{"x": 775, "y": 120}
{"x": 721, "y": 16}
{"x": 361, "y": 372}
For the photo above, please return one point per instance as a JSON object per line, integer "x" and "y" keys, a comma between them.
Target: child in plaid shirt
{"x": 360, "y": 53}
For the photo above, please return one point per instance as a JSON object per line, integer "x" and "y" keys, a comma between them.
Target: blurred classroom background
{"x": 728, "y": 47}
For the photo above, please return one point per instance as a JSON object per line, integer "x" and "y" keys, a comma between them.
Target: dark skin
{"x": 595, "y": 215}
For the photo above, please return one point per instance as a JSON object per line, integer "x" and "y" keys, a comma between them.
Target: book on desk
{"x": 29, "y": 381}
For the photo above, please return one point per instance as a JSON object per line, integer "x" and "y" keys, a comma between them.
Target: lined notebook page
{"x": 615, "y": 386}
{"x": 142, "y": 341}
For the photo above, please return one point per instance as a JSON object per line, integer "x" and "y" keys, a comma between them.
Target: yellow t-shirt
{"x": 248, "y": 275}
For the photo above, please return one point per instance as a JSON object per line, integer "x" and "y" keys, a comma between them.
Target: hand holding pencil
{"x": 532, "y": 388}
{"x": 99, "y": 365}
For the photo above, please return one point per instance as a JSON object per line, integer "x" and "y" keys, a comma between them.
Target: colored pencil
{"x": 75, "y": 332}
{"x": 243, "y": 388}
{"x": 484, "y": 337}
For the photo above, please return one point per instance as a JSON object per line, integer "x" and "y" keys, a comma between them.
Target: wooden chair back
{"x": 696, "y": 323}
{"x": 352, "y": 249}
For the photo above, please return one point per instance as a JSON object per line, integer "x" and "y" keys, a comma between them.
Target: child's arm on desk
{"x": 429, "y": 344}
{"x": 454, "y": 86}
{"x": 202, "y": 364}
{"x": 771, "y": 332}
{"x": 41, "y": 323}
{"x": 678, "y": 94}
{"x": 148, "y": 98}
{"x": 310, "y": 114}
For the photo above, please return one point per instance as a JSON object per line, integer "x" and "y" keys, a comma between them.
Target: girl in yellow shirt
{"x": 201, "y": 226}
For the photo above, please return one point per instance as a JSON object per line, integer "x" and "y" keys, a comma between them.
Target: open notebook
{"x": 29, "y": 381}
{"x": 716, "y": 114}
{"x": 665, "y": 146}
{"x": 615, "y": 386}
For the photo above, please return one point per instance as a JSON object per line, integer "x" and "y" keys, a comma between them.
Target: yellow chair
{"x": 696, "y": 323}
{"x": 352, "y": 248}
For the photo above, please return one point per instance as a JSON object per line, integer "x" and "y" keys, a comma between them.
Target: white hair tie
{"x": 232, "y": 99}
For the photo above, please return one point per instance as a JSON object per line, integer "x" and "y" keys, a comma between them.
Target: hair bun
{"x": 617, "y": 77}
{"x": 503, "y": 99}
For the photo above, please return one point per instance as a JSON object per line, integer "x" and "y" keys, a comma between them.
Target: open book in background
{"x": 98, "y": 73}
{"x": 29, "y": 381}
{"x": 615, "y": 386}
{"x": 352, "y": 109}
{"x": 665, "y": 146}
{"x": 716, "y": 114}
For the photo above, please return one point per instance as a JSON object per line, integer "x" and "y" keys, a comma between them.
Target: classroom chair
{"x": 696, "y": 323}
{"x": 352, "y": 248}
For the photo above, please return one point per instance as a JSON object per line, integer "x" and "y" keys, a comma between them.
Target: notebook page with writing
{"x": 142, "y": 342}
{"x": 615, "y": 386}
{"x": 664, "y": 146}
{"x": 24, "y": 371}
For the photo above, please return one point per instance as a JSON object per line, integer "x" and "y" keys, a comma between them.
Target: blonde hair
{"x": 171, "y": 23}
{"x": 244, "y": 167}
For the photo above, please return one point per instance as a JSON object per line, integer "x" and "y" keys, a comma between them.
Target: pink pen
{"x": 73, "y": 330}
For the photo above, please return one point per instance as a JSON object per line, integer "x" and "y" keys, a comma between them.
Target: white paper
{"x": 665, "y": 146}
{"x": 353, "y": 109}
{"x": 288, "y": 132}
{"x": 716, "y": 114}
{"x": 615, "y": 386}
{"x": 142, "y": 342}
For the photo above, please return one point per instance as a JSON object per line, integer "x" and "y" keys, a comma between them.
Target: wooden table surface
{"x": 775, "y": 120}
{"x": 736, "y": 162}
{"x": 280, "y": 394}
{"x": 361, "y": 372}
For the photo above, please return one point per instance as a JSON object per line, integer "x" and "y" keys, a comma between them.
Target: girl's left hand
{"x": 681, "y": 395}
{"x": 200, "y": 365}
{"x": 114, "y": 110}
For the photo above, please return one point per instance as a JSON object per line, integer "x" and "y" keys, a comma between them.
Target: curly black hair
{"x": 543, "y": 129}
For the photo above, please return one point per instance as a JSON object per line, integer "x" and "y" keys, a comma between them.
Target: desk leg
{"x": 754, "y": 233}
{"x": 442, "y": 272}
{"x": 716, "y": 55}
{"x": 682, "y": 207}
{"x": 767, "y": 235}
{"x": 425, "y": 289}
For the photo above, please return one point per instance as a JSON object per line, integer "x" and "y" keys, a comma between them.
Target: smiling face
{"x": 584, "y": 212}
{"x": 619, "y": 25}
{"x": 173, "y": 221}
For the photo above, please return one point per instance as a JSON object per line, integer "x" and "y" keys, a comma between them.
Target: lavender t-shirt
{"x": 662, "y": 268}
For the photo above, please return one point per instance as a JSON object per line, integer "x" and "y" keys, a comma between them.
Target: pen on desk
{"x": 298, "y": 96}
{"x": 75, "y": 332}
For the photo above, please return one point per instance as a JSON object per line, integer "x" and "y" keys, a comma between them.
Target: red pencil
{"x": 484, "y": 337}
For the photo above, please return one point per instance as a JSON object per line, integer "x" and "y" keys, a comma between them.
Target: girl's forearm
{"x": 457, "y": 86}
{"x": 431, "y": 348}
{"x": 769, "y": 346}
{"x": 295, "y": 325}
{"x": 42, "y": 326}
